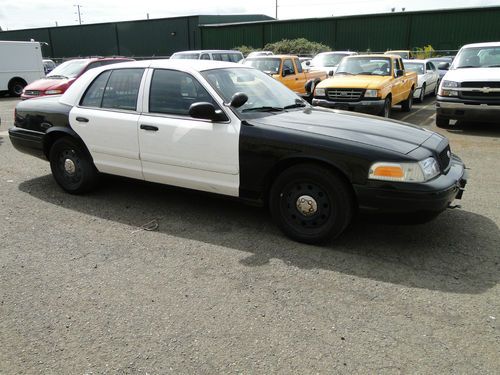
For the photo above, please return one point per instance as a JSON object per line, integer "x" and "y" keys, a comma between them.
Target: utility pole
{"x": 78, "y": 6}
{"x": 276, "y": 9}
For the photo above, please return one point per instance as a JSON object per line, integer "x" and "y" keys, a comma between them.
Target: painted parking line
{"x": 426, "y": 107}
{"x": 5, "y": 133}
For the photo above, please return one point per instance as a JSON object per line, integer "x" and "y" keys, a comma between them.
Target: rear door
{"x": 301, "y": 77}
{"x": 106, "y": 119}
{"x": 431, "y": 76}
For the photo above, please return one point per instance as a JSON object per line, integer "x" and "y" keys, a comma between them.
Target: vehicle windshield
{"x": 265, "y": 94}
{"x": 69, "y": 69}
{"x": 266, "y": 65}
{"x": 185, "y": 56}
{"x": 414, "y": 67}
{"x": 372, "y": 66}
{"x": 327, "y": 59}
{"x": 478, "y": 57}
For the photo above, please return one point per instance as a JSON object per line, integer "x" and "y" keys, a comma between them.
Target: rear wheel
{"x": 422, "y": 94}
{"x": 442, "y": 122}
{"x": 71, "y": 167}
{"x": 408, "y": 103}
{"x": 310, "y": 203}
{"x": 16, "y": 88}
{"x": 386, "y": 111}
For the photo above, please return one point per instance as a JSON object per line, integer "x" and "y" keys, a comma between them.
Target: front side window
{"x": 205, "y": 56}
{"x": 173, "y": 92}
{"x": 288, "y": 65}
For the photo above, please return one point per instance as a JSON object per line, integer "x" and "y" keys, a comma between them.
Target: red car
{"x": 63, "y": 76}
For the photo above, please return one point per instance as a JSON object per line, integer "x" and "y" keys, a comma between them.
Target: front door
{"x": 176, "y": 149}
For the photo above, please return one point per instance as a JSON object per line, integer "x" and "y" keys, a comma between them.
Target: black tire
{"x": 442, "y": 122}
{"x": 65, "y": 154}
{"x": 408, "y": 103}
{"x": 331, "y": 199}
{"x": 436, "y": 89}
{"x": 422, "y": 93}
{"x": 16, "y": 88}
{"x": 386, "y": 111}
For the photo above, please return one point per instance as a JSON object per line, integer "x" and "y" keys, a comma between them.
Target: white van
{"x": 20, "y": 64}
{"x": 216, "y": 54}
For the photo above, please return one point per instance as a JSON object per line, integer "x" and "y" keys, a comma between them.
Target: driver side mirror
{"x": 330, "y": 73}
{"x": 286, "y": 72}
{"x": 399, "y": 73}
{"x": 444, "y": 66}
{"x": 206, "y": 111}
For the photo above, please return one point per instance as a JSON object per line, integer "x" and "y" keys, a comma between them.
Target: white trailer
{"x": 20, "y": 64}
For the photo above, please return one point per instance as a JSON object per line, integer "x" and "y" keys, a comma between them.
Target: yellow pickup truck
{"x": 369, "y": 84}
{"x": 288, "y": 70}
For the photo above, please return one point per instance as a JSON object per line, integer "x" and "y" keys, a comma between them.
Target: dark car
{"x": 63, "y": 76}
{"x": 229, "y": 129}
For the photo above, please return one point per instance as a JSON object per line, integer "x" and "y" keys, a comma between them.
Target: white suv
{"x": 470, "y": 90}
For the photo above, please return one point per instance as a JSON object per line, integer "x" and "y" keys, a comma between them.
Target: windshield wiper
{"x": 263, "y": 109}
{"x": 493, "y": 66}
{"x": 298, "y": 104}
{"x": 56, "y": 76}
{"x": 467, "y": 66}
{"x": 351, "y": 74}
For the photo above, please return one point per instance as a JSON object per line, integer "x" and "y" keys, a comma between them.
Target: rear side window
{"x": 114, "y": 89}
{"x": 173, "y": 92}
{"x": 205, "y": 56}
{"x": 299, "y": 65}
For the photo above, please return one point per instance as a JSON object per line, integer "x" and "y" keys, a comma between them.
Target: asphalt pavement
{"x": 215, "y": 288}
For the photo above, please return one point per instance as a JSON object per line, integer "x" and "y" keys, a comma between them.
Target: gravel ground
{"x": 218, "y": 289}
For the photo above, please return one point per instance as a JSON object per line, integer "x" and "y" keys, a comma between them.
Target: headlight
{"x": 319, "y": 92}
{"x": 447, "y": 87}
{"x": 371, "y": 93}
{"x": 405, "y": 172}
{"x": 53, "y": 92}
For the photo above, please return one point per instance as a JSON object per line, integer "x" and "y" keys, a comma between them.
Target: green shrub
{"x": 300, "y": 46}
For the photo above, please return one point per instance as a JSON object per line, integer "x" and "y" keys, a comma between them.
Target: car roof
{"x": 184, "y": 65}
{"x": 334, "y": 52}
{"x": 396, "y": 50}
{"x": 208, "y": 51}
{"x": 275, "y": 57}
{"x": 488, "y": 44}
{"x": 382, "y": 56}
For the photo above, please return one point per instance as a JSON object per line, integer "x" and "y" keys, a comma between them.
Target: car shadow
{"x": 475, "y": 128}
{"x": 457, "y": 252}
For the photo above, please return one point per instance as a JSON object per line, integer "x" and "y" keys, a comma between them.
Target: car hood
{"x": 370, "y": 130}
{"x": 49, "y": 84}
{"x": 473, "y": 74}
{"x": 355, "y": 82}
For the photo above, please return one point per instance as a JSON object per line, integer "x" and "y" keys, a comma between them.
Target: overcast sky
{"x": 19, "y": 14}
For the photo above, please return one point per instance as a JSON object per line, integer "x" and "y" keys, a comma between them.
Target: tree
{"x": 300, "y": 46}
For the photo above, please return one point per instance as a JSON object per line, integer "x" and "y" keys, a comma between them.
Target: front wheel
{"x": 422, "y": 94}
{"x": 310, "y": 203}
{"x": 386, "y": 111}
{"x": 71, "y": 167}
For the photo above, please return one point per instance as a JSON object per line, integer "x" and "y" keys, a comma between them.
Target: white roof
{"x": 179, "y": 64}
{"x": 208, "y": 51}
{"x": 338, "y": 52}
{"x": 487, "y": 44}
{"x": 420, "y": 61}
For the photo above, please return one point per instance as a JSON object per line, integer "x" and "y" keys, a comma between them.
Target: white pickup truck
{"x": 470, "y": 90}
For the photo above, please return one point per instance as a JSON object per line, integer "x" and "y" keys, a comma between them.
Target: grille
{"x": 479, "y": 94}
{"x": 32, "y": 92}
{"x": 348, "y": 95}
{"x": 495, "y": 85}
{"x": 445, "y": 158}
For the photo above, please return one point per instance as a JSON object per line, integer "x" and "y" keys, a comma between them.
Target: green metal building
{"x": 144, "y": 38}
{"x": 442, "y": 29}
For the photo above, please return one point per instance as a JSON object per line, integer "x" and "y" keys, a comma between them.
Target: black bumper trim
{"x": 363, "y": 106}
{"x": 28, "y": 142}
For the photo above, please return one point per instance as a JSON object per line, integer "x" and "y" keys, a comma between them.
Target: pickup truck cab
{"x": 470, "y": 90}
{"x": 369, "y": 84}
{"x": 288, "y": 70}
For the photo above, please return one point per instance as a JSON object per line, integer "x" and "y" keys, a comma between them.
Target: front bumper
{"x": 27, "y": 141}
{"x": 468, "y": 110}
{"x": 373, "y": 107}
{"x": 432, "y": 196}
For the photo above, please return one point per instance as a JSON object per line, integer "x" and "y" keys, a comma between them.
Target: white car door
{"x": 176, "y": 149}
{"x": 107, "y": 120}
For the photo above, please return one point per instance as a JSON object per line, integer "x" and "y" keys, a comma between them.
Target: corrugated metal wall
{"x": 157, "y": 37}
{"x": 443, "y": 30}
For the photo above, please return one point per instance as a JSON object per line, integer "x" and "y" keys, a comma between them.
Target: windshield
{"x": 266, "y": 65}
{"x": 265, "y": 94}
{"x": 414, "y": 67}
{"x": 327, "y": 59}
{"x": 478, "y": 57}
{"x": 185, "y": 56}
{"x": 377, "y": 66}
{"x": 69, "y": 69}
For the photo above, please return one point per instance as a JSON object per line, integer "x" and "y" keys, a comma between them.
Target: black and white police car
{"x": 230, "y": 129}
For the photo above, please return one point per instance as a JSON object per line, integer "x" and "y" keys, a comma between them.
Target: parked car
{"x": 48, "y": 65}
{"x": 20, "y": 64}
{"x": 369, "y": 84}
{"x": 232, "y": 130}
{"x": 218, "y": 55}
{"x": 288, "y": 70}
{"x": 404, "y": 54}
{"x": 260, "y": 53}
{"x": 305, "y": 62}
{"x": 427, "y": 77}
{"x": 63, "y": 76}
{"x": 329, "y": 61}
{"x": 443, "y": 64}
{"x": 470, "y": 90}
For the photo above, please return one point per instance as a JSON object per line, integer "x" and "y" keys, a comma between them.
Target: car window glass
{"x": 93, "y": 65}
{"x": 217, "y": 56}
{"x": 205, "y": 56}
{"x": 94, "y": 93}
{"x": 235, "y": 57}
{"x": 299, "y": 66}
{"x": 122, "y": 89}
{"x": 287, "y": 64}
{"x": 173, "y": 92}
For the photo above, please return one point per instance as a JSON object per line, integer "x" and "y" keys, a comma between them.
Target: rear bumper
{"x": 373, "y": 107}
{"x": 27, "y": 141}
{"x": 468, "y": 110}
{"x": 433, "y": 196}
